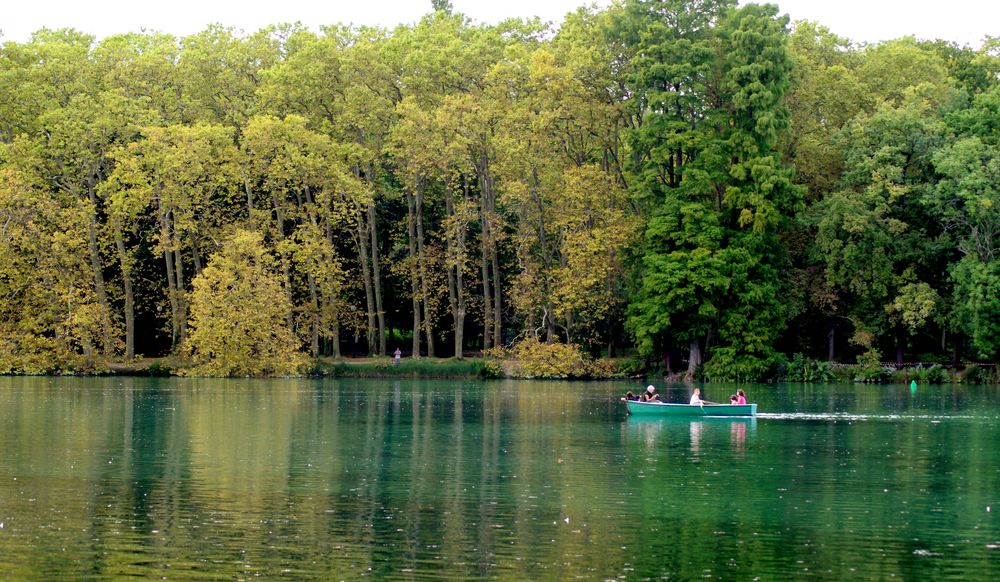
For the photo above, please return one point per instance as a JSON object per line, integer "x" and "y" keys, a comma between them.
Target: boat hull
{"x": 658, "y": 409}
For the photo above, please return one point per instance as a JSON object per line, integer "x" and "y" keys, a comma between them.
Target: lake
{"x": 323, "y": 479}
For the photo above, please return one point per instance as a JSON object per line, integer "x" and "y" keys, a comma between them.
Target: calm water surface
{"x": 299, "y": 479}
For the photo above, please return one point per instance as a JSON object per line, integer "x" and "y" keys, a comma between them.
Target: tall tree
{"x": 716, "y": 233}
{"x": 79, "y": 139}
{"x": 968, "y": 201}
{"x": 49, "y": 314}
{"x": 875, "y": 236}
{"x": 304, "y": 194}
{"x": 186, "y": 176}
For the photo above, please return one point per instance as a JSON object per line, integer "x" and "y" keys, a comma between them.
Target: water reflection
{"x": 655, "y": 432}
{"x": 307, "y": 479}
{"x": 738, "y": 436}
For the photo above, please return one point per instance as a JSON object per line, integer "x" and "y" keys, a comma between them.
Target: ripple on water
{"x": 848, "y": 416}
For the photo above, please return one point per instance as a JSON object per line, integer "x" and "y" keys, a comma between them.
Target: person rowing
{"x": 696, "y": 399}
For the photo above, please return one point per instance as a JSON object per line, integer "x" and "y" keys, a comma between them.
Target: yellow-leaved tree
{"x": 239, "y": 314}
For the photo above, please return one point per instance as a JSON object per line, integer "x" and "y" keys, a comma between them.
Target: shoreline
{"x": 491, "y": 368}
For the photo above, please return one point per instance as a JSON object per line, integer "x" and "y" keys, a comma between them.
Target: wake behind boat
{"x": 666, "y": 409}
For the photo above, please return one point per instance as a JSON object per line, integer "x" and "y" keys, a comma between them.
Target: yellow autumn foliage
{"x": 531, "y": 358}
{"x": 239, "y": 314}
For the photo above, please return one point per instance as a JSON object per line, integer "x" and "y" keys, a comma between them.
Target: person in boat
{"x": 630, "y": 396}
{"x": 733, "y": 399}
{"x": 696, "y": 398}
{"x": 741, "y": 398}
{"x": 650, "y": 394}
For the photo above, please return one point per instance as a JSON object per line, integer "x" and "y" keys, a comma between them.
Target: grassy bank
{"x": 407, "y": 368}
{"x": 796, "y": 369}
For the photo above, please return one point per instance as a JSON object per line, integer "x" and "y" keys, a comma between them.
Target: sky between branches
{"x": 962, "y": 21}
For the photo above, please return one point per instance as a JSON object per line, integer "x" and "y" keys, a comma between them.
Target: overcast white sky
{"x": 963, "y": 21}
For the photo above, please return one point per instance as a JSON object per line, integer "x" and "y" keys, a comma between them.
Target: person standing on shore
{"x": 396, "y": 355}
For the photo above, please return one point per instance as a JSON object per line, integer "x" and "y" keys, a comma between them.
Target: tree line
{"x": 685, "y": 180}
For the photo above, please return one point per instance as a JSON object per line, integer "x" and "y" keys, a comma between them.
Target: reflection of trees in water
{"x": 358, "y": 478}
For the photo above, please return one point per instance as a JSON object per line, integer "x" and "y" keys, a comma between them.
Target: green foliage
{"x": 877, "y": 242}
{"x": 407, "y": 368}
{"x": 158, "y": 369}
{"x": 803, "y": 369}
{"x": 628, "y": 177}
{"x": 711, "y": 258}
{"x": 977, "y": 303}
{"x": 239, "y": 313}
{"x": 935, "y": 374}
{"x": 981, "y": 375}
{"x": 873, "y": 374}
{"x": 968, "y": 199}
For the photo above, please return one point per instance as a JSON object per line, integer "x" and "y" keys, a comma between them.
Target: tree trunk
{"x": 171, "y": 279}
{"x": 126, "y": 268}
{"x": 196, "y": 257}
{"x": 830, "y": 339}
{"x": 547, "y": 261}
{"x": 456, "y": 259}
{"x": 100, "y": 289}
{"x": 484, "y": 248}
{"x": 694, "y": 359}
{"x": 492, "y": 307}
{"x": 181, "y": 301}
{"x": 314, "y": 300}
{"x": 361, "y": 238}
{"x": 497, "y": 307}
{"x": 899, "y": 348}
{"x": 286, "y": 268}
{"x": 411, "y": 229}
{"x": 550, "y": 323}
{"x": 377, "y": 280}
{"x": 487, "y": 296}
{"x": 422, "y": 260}
{"x": 249, "y": 192}
{"x": 452, "y": 291}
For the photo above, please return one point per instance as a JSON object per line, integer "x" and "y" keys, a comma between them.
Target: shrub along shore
{"x": 524, "y": 366}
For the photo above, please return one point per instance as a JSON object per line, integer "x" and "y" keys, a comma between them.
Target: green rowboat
{"x": 664, "y": 409}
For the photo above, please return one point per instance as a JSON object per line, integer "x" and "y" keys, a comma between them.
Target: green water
{"x": 300, "y": 479}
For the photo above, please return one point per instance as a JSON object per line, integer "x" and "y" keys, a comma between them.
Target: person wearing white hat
{"x": 650, "y": 394}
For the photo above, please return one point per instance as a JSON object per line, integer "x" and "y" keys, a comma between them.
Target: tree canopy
{"x": 703, "y": 185}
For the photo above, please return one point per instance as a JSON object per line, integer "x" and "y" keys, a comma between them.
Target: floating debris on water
{"x": 924, "y": 553}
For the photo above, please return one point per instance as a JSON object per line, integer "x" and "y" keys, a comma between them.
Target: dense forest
{"x": 705, "y": 186}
